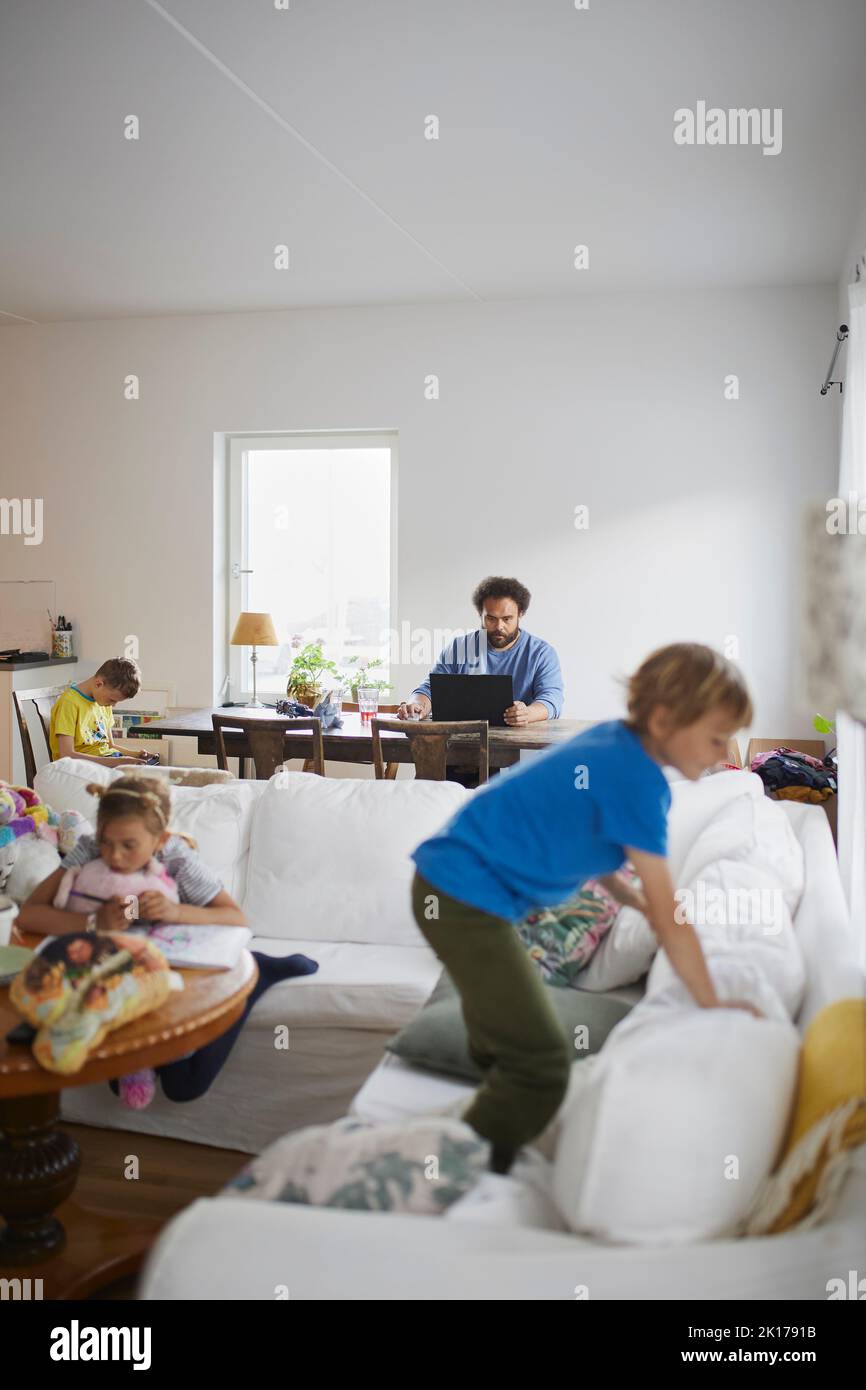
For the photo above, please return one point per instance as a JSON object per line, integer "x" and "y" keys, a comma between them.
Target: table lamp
{"x": 254, "y": 630}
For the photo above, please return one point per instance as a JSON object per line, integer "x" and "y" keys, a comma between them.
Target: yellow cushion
{"x": 829, "y": 1116}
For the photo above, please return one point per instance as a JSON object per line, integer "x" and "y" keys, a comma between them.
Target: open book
{"x": 197, "y": 947}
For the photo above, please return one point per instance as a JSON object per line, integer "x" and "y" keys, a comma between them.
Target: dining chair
{"x": 43, "y": 699}
{"x": 428, "y": 743}
{"x": 266, "y": 739}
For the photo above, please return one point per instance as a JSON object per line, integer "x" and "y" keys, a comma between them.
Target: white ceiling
{"x": 306, "y": 127}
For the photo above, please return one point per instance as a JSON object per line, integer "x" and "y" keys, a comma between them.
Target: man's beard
{"x": 497, "y": 641}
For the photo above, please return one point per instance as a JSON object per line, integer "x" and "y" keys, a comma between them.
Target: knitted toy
{"x": 87, "y": 887}
{"x": 25, "y": 822}
{"x": 23, "y": 811}
{"x": 81, "y": 987}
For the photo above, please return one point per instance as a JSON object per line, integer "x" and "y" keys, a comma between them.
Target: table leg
{"x": 42, "y": 1256}
{"x": 38, "y": 1170}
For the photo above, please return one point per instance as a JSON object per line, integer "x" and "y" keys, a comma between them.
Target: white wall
{"x": 615, "y": 401}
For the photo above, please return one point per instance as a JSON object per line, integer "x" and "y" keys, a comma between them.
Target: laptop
{"x": 471, "y": 697}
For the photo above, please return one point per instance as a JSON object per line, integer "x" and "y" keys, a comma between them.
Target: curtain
{"x": 851, "y": 734}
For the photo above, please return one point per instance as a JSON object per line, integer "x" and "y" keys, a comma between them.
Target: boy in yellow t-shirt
{"x": 82, "y": 716}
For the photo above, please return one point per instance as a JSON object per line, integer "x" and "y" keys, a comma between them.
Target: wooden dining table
{"x": 352, "y": 742}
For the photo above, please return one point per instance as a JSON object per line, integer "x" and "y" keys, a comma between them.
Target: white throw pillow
{"x": 62, "y": 785}
{"x": 219, "y": 818}
{"x": 624, "y": 954}
{"x": 329, "y": 858}
{"x": 677, "y": 1124}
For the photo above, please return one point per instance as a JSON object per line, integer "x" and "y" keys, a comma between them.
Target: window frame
{"x": 237, "y": 531}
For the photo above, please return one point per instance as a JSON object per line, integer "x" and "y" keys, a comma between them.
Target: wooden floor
{"x": 172, "y": 1174}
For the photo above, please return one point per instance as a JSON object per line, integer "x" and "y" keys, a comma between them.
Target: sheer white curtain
{"x": 851, "y": 735}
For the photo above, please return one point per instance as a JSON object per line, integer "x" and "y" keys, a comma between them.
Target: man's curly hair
{"x": 495, "y": 586}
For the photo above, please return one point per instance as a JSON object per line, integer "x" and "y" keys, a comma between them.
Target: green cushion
{"x": 436, "y": 1037}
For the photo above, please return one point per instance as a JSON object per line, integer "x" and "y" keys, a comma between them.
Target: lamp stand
{"x": 255, "y": 702}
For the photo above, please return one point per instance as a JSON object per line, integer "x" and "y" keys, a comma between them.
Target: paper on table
{"x": 200, "y": 946}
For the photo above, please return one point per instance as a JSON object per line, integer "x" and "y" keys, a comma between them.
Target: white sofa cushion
{"x": 678, "y": 1121}
{"x": 218, "y": 817}
{"x": 624, "y": 954}
{"x": 62, "y": 785}
{"x": 329, "y": 858}
{"x": 355, "y": 986}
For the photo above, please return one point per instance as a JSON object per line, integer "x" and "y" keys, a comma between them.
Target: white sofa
{"x": 322, "y": 867}
{"x": 231, "y": 1248}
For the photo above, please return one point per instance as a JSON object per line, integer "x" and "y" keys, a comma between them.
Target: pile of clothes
{"x": 789, "y": 775}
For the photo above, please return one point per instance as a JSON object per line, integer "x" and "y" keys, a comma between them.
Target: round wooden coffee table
{"x": 76, "y": 1250}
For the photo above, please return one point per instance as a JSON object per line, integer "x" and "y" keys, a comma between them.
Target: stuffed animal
{"x": 83, "y": 986}
{"x": 32, "y": 837}
{"x": 34, "y": 859}
{"x": 87, "y": 887}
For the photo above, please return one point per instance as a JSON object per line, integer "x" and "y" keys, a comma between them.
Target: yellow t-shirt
{"x": 87, "y": 722}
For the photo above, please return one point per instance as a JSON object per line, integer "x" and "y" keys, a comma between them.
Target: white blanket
{"x": 739, "y": 883}
{"x": 738, "y": 872}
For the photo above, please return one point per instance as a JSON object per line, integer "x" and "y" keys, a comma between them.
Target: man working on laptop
{"x": 509, "y": 651}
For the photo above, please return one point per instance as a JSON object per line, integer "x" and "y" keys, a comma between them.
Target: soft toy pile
{"x": 32, "y": 839}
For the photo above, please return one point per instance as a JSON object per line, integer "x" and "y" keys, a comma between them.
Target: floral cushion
{"x": 420, "y": 1166}
{"x": 561, "y": 940}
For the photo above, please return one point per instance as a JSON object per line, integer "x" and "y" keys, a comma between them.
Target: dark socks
{"x": 192, "y": 1076}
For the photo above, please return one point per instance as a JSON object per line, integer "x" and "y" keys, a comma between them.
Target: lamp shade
{"x": 254, "y": 630}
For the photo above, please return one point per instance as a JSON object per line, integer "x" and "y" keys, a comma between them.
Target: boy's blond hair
{"x": 689, "y": 680}
{"x": 121, "y": 674}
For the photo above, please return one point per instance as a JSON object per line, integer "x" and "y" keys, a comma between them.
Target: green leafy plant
{"x": 360, "y": 675}
{"x": 822, "y": 725}
{"x": 311, "y": 672}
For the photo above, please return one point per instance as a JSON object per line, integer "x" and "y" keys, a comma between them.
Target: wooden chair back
{"x": 43, "y": 698}
{"x": 428, "y": 743}
{"x": 267, "y": 739}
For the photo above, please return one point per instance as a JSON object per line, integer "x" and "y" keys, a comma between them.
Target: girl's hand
{"x": 112, "y": 915}
{"x": 156, "y": 907}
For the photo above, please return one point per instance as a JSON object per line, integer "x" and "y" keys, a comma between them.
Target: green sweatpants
{"x": 514, "y": 1035}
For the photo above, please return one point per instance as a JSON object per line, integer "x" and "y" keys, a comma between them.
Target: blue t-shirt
{"x": 531, "y": 663}
{"x": 533, "y": 835}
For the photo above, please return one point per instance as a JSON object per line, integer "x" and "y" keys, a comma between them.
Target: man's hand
{"x": 414, "y": 709}
{"x": 156, "y": 907}
{"x": 517, "y": 715}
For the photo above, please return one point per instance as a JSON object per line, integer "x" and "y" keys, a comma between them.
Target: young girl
{"x": 531, "y": 838}
{"x": 132, "y": 827}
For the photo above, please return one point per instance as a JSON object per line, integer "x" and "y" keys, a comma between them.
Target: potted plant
{"x": 360, "y": 675}
{"x": 311, "y": 674}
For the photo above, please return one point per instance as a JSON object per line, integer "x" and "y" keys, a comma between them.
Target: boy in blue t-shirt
{"x": 531, "y": 838}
